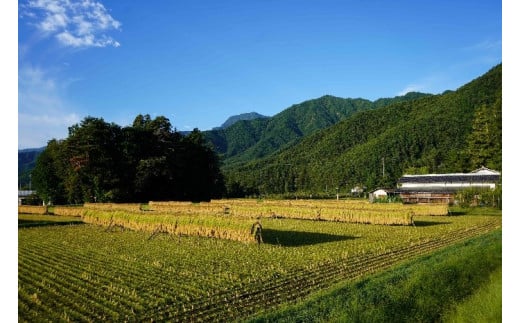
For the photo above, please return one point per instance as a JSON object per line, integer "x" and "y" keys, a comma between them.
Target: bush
{"x": 480, "y": 197}
{"x": 389, "y": 199}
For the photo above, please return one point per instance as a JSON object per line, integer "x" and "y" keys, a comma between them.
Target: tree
{"x": 49, "y": 174}
{"x": 154, "y": 180}
{"x": 485, "y": 141}
{"x": 198, "y": 169}
{"x": 94, "y": 149}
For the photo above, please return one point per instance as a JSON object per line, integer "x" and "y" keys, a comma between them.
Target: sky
{"x": 199, "y": 62}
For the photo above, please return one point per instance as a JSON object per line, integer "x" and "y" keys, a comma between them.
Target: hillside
{"x": 248, "y": 140}
{"x": 453, "y": 132}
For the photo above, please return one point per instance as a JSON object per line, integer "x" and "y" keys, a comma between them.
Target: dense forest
{"x": 101, "y": 162}
{"x": 317, "y": 147}
{"x": 455, "y": 131}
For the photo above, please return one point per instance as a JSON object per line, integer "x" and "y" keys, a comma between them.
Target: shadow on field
{"x": 458, "y": 213}
{"x": 428, "y": 223}
{"x": 299, "y": 238}
{"x": 32, "y": 223}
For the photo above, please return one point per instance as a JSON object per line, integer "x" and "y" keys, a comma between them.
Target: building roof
{"x": 482, "y": 175}
{"x": 25, "y": 193}
{"x": 449, "y": 178}
{"x": 485, "y": 171}
{"x": 428, "y": 189}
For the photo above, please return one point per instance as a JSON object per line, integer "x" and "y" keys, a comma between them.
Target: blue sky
{"x": 199, "y": 62}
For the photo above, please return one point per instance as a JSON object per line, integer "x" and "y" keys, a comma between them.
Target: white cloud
{"x": 87, "y": 40}
{"x": 43, "y": 113}
{"x": 73, "y": 23}
{"x": 54, "y": 22}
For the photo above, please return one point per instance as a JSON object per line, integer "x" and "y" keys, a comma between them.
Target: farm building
{"x": 24, "y": 196}
{"x": 442, "y": 188}
{"x": 381, "y": 193}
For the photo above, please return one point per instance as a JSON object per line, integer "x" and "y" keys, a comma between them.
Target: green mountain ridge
{"x": 450, "y": 132}
{"x": 248, "y": 140}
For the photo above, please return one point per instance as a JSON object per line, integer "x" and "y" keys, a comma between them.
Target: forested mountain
{"x": 248, "y": 140}
{"x": 453, "y": 132}
{"x": 26, "y": 162}
{"x": 244, "y": 116}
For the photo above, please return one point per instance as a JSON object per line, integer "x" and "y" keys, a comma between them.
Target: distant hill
{"x": 26, "y": 162}
{"x": 452, "y": 132}
{"x": 244, "y": 116}
{"x": 247, "y": 140}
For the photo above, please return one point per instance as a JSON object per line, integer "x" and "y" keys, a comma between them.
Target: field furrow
{"x": 95, "y": 272}
{"x": 236, "y": 304}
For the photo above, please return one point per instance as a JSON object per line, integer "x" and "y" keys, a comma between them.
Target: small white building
{"x": 380, "y": 193}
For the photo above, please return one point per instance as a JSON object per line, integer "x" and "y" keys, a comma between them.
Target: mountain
{"x": 451, "y": 132}
{"x": 244, "y": 116}
{"x": 247, "y": 140}
{"x": 26, "y": 162}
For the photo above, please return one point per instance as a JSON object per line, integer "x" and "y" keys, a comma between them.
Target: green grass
{"x": 484, "y": 306}
{"x": 418, "y": 291}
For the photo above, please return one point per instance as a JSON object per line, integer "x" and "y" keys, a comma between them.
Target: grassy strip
{"x": 483, "y": 306}
{"x": 419, "y": 291}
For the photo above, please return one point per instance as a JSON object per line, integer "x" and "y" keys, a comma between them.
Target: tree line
{"x": 104, "y": 162}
